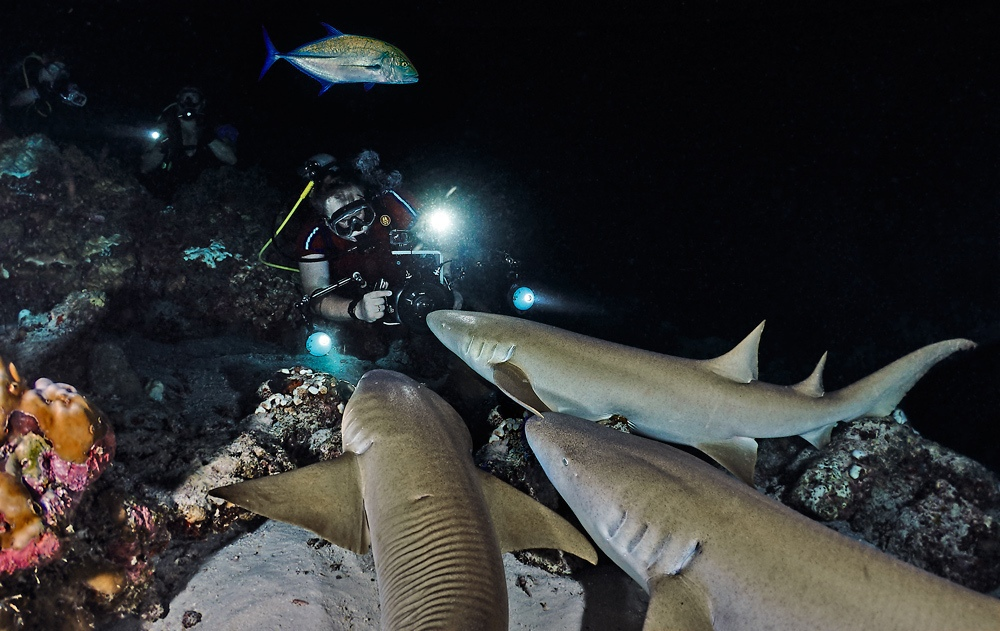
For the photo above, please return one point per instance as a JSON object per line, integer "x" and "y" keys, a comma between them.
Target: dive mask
{"x": 352, "y": 220}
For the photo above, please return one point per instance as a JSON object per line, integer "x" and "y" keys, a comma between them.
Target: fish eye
{"x": 565, "y": 462}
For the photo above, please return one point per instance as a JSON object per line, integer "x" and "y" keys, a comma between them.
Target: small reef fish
{"x": 340, "y": 58}
{"x": 406, "y": 484}
{"x": 715, "y": 554}
{"x": 716, "y": 405}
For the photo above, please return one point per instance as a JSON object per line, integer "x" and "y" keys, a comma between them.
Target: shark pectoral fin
{"x": 738, "y": 454}
{"x": 679, "y": 604}
{"x": 324, "y": 497}
{"x": 820, "y": 436}
{"x": 515, "y": 384}
{"x": 522, "y": 523}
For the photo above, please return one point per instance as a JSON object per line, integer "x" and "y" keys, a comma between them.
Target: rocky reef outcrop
{"x": 81, "y": 241}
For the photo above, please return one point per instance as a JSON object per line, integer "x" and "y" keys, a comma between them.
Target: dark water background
{"x": 674, "y": 173}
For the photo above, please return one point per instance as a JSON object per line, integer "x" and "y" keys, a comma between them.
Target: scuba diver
{"x": 184, "y": 144}
{"x": 361, "y": 264}
{"x": 36, "y": 91}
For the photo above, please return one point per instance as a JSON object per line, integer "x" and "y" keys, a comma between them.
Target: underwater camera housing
{"x": 424, "y": 289}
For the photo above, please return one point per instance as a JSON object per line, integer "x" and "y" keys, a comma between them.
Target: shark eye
{"x": 565, "y": 462}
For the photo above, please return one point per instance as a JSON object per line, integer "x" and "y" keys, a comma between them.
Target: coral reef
{"x": 55, "y": 445}
{"x": 73, "y": 226}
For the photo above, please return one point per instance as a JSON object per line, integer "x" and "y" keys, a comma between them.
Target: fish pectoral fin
{"x": 679, "y": 604}
{"x": 820, "y": 436}
{"x": 737, "y": 454}
{"x": 515, "y": 384}
{"x": 522, "y": 523}
{"x": 324, "y": 497}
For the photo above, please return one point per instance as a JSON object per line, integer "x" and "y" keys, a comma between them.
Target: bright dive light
{"x": 523, "y": 298}
{"x": 319, "y": 343}
{"x": 155, "y": 135}
{"x": 440, "y": 220}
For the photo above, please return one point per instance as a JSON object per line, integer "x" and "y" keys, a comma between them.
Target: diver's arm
{"x": 316, "y": 275}
{"x": 223, "y": 151}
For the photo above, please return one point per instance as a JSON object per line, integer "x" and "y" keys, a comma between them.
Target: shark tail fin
{"x": 884, "y": 389}
{"x": 272, "y": 54}
{"x": 324, "y": 497}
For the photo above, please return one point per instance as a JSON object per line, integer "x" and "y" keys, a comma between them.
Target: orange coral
{"x": 20, "y": 524}
{"x": 10, "y": 393}
{"x": 65, "y": 417}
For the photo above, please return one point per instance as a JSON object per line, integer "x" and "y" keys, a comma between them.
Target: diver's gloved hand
{"x": 371, "y": 306}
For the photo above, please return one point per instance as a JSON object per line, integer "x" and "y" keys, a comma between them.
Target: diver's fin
{"x": 272, "y": 54}
{"x": 324, "y": 497}
{"x": 522, "y": 523}
{"x": 820, "y": 436}
{"x": 739, "y": 364}
{"x": 330, "y": 30}
{"x": 515, "y": 384}
{"x": 738, "y": 454}
{"x": 679, "y": 604}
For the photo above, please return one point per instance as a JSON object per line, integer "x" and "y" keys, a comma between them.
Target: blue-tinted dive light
{"x": 522, "y": 297}
{"x": 319, "y": 343}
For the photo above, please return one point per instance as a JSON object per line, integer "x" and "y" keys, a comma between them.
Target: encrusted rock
{"x": 907, "y": 495}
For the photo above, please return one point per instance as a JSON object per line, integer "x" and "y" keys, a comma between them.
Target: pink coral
{"x": 54, "y": 445}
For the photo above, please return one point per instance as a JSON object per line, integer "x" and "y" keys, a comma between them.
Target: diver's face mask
{"x": 189, "y": 106}
{"x": 352, "y": 220}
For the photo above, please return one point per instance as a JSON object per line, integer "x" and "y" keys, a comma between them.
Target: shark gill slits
{"x": 637, "y": 539}
{"x": 621, "y": 522}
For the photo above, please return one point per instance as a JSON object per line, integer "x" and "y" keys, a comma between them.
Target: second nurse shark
{"x": 716, "y": 405}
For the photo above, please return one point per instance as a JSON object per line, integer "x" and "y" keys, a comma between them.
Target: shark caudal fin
{"x": 272, "y": 54}
{"x": 324, "y": 497}
{"x": 523, "y": 523}
{"x": 882, "y": 390}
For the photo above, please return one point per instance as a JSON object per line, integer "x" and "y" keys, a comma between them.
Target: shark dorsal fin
{"x": 522, "y": 522}
{"x": 737, "y": 454}
{"x": 812, "y": 386}
{"x": 324, "y": 497}
{"x": 739, "y": 364}
{"x": 515, "y": 384}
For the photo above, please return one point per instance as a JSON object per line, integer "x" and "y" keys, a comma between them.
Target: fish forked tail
{"x": 272, "y": 54}
{"x": 883, "y": 389}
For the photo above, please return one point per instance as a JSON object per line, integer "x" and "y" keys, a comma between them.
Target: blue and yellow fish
{"x": 340, "y": 58}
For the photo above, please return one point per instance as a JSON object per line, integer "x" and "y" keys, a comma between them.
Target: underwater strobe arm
{"x": 317, "y": 294}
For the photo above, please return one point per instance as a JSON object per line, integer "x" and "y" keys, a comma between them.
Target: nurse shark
{"x": 406, "y": 485}
{"x": 715, "y": 554}
{"x": 715, "y": 405}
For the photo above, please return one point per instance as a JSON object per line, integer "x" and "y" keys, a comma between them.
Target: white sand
{"x": 272, "y": 579}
